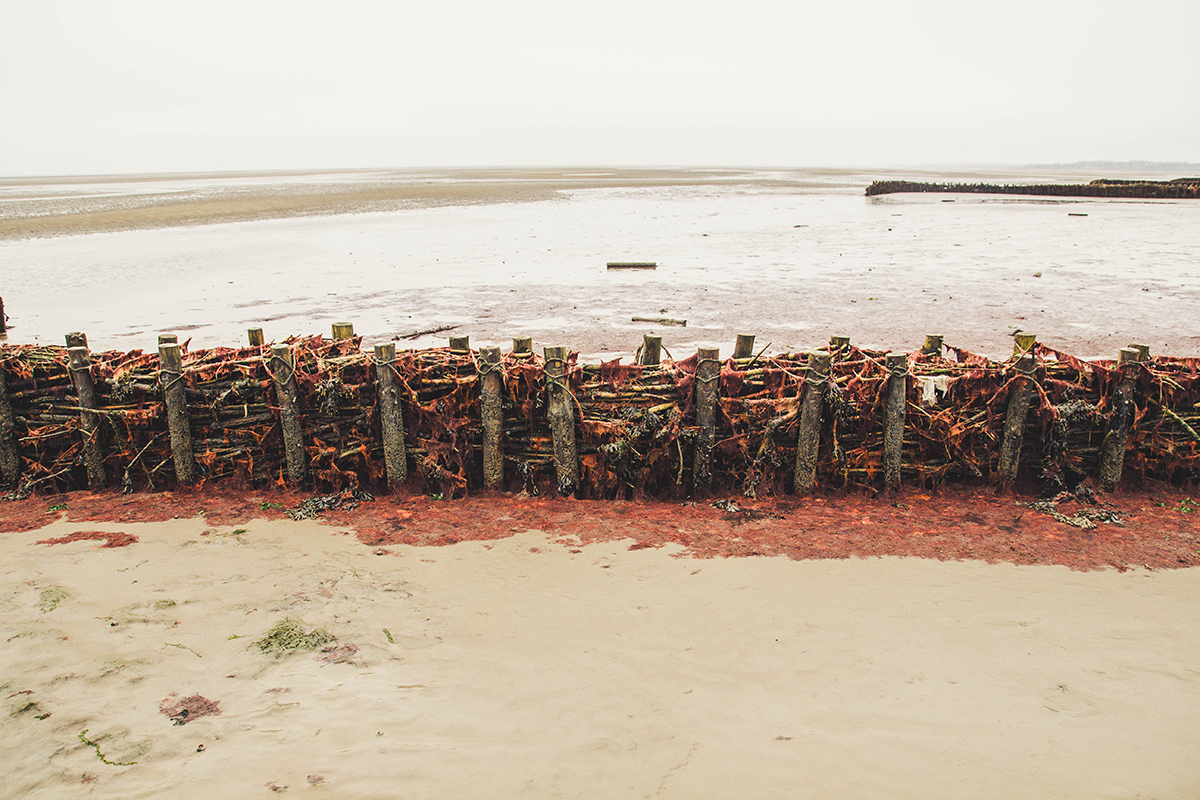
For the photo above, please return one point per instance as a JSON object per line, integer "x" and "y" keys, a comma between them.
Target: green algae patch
{"x": 288, "y": 635}
{"x": 49, "y": 598}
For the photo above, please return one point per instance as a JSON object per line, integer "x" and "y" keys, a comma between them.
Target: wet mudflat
{"x": 791, "y": 256}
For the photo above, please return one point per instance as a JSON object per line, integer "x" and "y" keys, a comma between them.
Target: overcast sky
{"x": 163, "y": 85}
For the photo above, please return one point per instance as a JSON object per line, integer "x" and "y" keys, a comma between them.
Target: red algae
{"x": 109, "y": 538}
{"x": 1156, "y": 526}
{"x": 188, "y": 709}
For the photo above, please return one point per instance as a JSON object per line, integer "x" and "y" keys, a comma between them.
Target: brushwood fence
{"x": 327, "y": 416}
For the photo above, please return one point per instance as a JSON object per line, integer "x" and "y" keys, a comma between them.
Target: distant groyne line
{"x": 1180, "y": 188}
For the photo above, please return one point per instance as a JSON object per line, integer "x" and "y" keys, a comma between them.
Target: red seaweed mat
{"x": 1159, "y": 526}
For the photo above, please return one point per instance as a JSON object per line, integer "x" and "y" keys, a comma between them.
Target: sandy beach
{"x": 529, "y": 662}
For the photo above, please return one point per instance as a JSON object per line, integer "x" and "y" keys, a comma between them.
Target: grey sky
{"x": 137, "y": 86}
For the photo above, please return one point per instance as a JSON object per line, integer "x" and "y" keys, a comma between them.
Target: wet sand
{"x": 547, "y": 667}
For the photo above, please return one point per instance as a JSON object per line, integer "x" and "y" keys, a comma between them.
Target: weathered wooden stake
{"x": 1014, "y": 418}
{"x": 708, "y": 373}
{"x": 838, "y": 345}
{"x": 391, "y": 416}
{"x": 1112, "y": 449}
{"x": 561, "y": 414}
{"x": 745, "y": 346}
{"x": 89, "y": 424}
{"x": 933, "y": 343}
{"x": 460, "y": 345}
{"x": 10, "y": 463}
{"x": 522, "y": 346}
{"x": 493, "y": 416}
{"x": 289, "y": 412}
{"x": 76, "y": 339}
{"x": 170, "y": 376}
{"x": 255, "y": 336}
{"x": 167, "y": 338}
{"x": 808, "y": 439}
{"x": 1143, "y": 351}
{"x": 1023, "y": 342}
{"x": 651, "y": 350}
{"x": 893, "y": 425}
{"x": 342, "y": 330}
{"x": 3, "y": 319}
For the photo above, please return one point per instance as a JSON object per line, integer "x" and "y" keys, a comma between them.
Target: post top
{"x": 819, "y": 360}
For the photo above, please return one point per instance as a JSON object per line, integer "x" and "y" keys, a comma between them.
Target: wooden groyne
{"x": 322, "y": 414}
{"x": 1180, "y": 188}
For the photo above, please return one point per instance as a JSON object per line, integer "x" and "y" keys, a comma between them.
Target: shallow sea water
{"x": 790, "y": 256}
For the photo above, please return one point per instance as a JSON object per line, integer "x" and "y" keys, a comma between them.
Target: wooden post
{"x": 3, "y": 319}
{"x": 745, "y": 346}
{"x": 708, "y": 373}
{"x": 1143, "y": 351}
{"x": 1023, "y": 342}
{"x": 89, "y": 424}
{"x": 76, "y": 339}
{"x": 893, "y": 425}
{"x": 838, "y": 345}
{"x": 255, "y": 336}
{"x": 391, "y": 416}
{"x": 933, "y": 344}
{"x": 1014, "y": 419}
{"x": 491, "y": 384}
{"x": 808, "y": 439}
{"x": 561, "y": 414}
{"x": 170, "y": 376}
{"x": 342, "y": 330}
{"x": 651, "y": 350}
{"x": 9, "y": 461}
{"x": 460, "y": 345}
{"x": 167, "y": 338}
{"x": 288, "y": 393}
{"x": 522, "y": 346}
{"x": 1112, "y": 449}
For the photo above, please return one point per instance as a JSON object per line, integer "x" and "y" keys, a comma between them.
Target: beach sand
{"x": 542, "y": 664}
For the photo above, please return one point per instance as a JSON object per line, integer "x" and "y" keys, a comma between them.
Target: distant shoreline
{"x": 36, "y": 213}
{"x": 46, "y": 207}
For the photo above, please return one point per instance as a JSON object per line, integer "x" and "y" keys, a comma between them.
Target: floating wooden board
{"x": 682, "y": 323}
{"x": 632, "y": 265}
